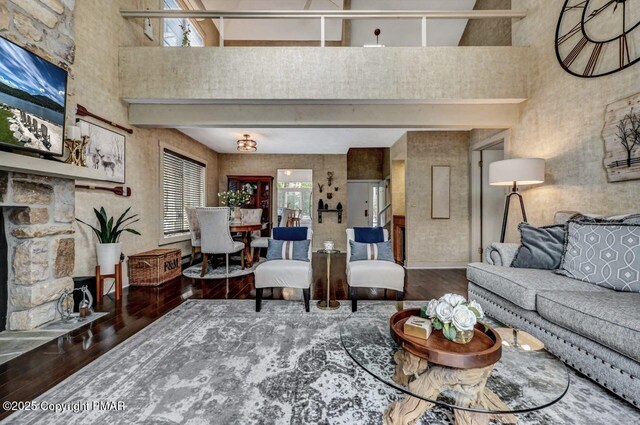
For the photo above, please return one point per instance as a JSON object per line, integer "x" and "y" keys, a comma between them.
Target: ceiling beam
{"x": 460, "y": 116}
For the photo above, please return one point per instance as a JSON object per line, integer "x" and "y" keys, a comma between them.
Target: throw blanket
{"x": 501, "y": 254}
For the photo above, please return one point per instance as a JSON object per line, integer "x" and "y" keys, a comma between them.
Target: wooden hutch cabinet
{"x": 261, "y": 188}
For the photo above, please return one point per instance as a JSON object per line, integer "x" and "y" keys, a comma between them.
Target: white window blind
{"x": 183, "y": 186}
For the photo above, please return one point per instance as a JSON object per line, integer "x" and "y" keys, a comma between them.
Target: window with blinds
{"x": 183, "y": 181}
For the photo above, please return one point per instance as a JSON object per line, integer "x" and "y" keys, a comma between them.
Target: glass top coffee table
{"x": 526, "y": 377}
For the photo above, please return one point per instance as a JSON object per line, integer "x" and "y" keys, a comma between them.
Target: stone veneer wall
{"x": 39, "y": 211}
{"x": 39, "y": 216}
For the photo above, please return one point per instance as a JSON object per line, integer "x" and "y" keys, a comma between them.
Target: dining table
{"x": 245, "y": 229}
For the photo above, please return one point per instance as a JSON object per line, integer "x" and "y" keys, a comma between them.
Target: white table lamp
{"x": 515, "y": 172}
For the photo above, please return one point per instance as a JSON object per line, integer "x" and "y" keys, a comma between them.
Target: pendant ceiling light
{"x": 247, "y": 145}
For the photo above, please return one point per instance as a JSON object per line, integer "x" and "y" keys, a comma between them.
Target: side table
{"x": 328, "y": 304}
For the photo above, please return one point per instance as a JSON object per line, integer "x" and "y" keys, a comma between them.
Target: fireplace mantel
{"x": 31, "y": 165}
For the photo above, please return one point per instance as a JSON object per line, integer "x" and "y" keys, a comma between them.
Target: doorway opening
{"x": 367, "y": 198}
{"x": 487, "y": 202}
{"x": 295, "y": 197}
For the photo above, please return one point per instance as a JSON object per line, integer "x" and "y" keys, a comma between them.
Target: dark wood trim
{"x": 399, "y": 243}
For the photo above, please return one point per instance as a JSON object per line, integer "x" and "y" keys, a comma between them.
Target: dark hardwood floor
{"x": 34, "y": 372}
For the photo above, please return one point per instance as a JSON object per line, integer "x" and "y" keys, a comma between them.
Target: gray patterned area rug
{"x": 219, "y": 362}
{"x": 220, "y": 272}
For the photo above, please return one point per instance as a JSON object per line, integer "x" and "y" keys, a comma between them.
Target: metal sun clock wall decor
{"x": 598, "y": 37}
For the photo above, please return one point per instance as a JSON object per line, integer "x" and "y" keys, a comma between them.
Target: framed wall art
{"x": 105, "y": 151}
{"x": 440, "y": 191}
{"x": 621, "y": 136}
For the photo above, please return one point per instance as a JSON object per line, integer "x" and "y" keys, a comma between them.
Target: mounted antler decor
{"x": 329, "y": 178}
{"x": 320, "y": 187}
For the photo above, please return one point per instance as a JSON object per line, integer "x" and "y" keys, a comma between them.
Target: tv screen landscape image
{"x": 32, "y": 101}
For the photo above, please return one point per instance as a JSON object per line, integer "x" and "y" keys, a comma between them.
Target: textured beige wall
{"x": 488, "y": 32}
{"x": 435, "y": 73}
{"x": 562, "y": 122}
{"x": 268, "y": 165}
{"x": 99, "y": 32}
{"x": 398, "y": 198}
{"x": 397, "y": 157}
{"x": 365, "y": 164}
{"x": 386, "y": 162}
{"x": 437, "y": 242}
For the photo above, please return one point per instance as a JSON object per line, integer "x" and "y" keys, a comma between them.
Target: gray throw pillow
{"x": 288, "y": 250}
{"x": 604, "y": 254}
{"x": 541, "y": 247}
{"x": 371, "y": 251}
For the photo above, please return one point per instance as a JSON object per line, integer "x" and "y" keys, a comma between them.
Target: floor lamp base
{"x": 507, "y": 203}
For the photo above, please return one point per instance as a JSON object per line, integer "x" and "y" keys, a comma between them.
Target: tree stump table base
{"x": 468, "y": 387}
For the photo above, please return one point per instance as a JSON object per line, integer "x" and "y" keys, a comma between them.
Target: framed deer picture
{"x": 105, "y": 151}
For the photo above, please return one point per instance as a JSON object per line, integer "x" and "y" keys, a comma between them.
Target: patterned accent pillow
{"x": 604, "y": 254}
{"x": 371, "y": 251}
{"x": 288, "y": 250}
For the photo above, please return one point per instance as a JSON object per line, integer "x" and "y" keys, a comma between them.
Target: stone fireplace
{"x": 38, "y": 220}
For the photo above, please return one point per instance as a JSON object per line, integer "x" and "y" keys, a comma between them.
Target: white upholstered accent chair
{"x": 285, "y": 274}
{"x": 373, "y": 274}
{"x": 215, "y": 236}
{"x": 194, "y": 230}
{"x": 254, "y": 215}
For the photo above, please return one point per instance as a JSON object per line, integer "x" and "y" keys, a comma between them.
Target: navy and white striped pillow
{"x": 288, "y": 250}
{"x": 371, "y": 251}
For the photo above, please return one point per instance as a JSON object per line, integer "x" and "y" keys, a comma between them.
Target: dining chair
{"x": 296, "y": 217}
{"x": 284, "y": 217}
{"x": 254, "y": 215}
{"x": 194, "y": 230}
{"x": 215, "y": 236}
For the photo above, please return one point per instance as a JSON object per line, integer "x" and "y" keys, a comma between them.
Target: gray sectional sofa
{"x": 593, "y": 329}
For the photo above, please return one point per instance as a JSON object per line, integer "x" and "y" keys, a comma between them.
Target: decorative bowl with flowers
{"x": 454, "y": 316}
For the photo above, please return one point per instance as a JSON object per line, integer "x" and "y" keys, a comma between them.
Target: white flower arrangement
{"x": 452, "y": 313}
{"x": 234, "y": 198}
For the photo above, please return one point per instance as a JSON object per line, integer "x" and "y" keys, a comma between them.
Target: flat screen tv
{"x": 32, "y": 101}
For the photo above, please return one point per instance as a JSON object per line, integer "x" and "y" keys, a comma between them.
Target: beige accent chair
{"x": 285, "y": 274}
{"x": 194, "y": 230}
{"x": 373, "y": 274}
{"x": 215, "y": 236}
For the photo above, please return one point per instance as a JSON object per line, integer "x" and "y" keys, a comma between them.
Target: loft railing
{"x": 323, "y": 15}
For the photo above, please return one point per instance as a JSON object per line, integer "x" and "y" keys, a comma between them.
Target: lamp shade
{"x": 522, "y": 171}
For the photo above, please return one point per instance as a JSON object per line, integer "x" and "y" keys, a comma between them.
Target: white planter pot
{"x": 108, "y": 256}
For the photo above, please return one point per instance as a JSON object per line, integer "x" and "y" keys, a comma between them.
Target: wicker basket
{"x": 155, "y": 267}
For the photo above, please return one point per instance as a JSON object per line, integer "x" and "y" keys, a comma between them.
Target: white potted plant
{"x": 109, "y": 248}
